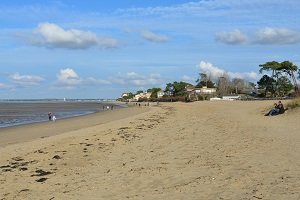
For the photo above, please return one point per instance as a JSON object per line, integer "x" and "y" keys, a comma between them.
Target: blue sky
{"x": 99, "y": 49}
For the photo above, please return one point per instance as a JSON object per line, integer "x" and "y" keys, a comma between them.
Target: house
{"x": 143, "y": 95}
{"x": 125, "y": 94}
{"x": 160, "y": 94}
{"x": 205, "y": 90}
{"x": 193, "y": 92}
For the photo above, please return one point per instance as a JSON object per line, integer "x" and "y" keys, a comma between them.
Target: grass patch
{"x": 295, "y": 103}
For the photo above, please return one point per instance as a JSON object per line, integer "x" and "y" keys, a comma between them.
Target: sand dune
{"x": 201, "y": 150}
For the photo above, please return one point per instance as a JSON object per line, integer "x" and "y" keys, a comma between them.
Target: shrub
{"x": 294, "y": 103}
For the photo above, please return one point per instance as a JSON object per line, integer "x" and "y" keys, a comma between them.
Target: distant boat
{"x": 65, "y": 99}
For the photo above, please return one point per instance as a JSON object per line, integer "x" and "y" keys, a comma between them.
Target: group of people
{"x": 276, "y": 110}
{"x": 107, "y": 107}
{"x": 51, "y": 117}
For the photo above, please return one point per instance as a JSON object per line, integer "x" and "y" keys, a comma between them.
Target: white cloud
{"x": 150, "y": 36}
{"x": 53, "y": 36}
{"x": 215, "y": 72}
{"x": 136, "y": 79}
{"x": 3, "y": 86}
{"x": 188, "y": 78}
{"x": 231, "y": 37}
{"x": 25, "y": 80}
{"x": 277, "y": 36}
{"x": 68, "y": 78}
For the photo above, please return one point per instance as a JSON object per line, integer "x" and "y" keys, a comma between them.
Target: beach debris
{"x": 41, "y": 172}
{"x": 56, "y": 157}
{"x": 17, "y": 164}
{"x": 17, "y": 159}
{"x": 40, "y": 151}
{"x": 24, "y": 190}
{"x": 23, "y": 168}
{"x": 41, "y": 180}
{"x": 123, "y": 128}
{"x": 4, "y": 166}
{"x": 6, "y": 170}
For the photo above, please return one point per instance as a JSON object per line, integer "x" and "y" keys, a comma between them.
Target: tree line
{"x": 278, "y": 79}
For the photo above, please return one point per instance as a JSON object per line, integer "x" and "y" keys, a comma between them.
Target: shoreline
{"x": 21, "y": 113}
{"x": 28, "y": 132}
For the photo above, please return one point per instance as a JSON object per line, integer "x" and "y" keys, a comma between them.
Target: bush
{"x": 294, "y": 103}
{"x": 201, "y": 98}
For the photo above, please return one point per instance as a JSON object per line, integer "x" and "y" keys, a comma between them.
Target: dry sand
{"x": 201, "y": 150}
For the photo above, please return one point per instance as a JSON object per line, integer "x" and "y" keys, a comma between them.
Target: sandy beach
{"x": 201, "y": 150}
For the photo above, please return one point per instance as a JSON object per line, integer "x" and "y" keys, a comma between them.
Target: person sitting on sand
{"x": 273, "y": 111}
{"x": 281, "y": 108}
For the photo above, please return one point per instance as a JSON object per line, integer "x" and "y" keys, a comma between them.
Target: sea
{"x": 19, "y": 112}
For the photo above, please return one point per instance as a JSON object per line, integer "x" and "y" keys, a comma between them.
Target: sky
{"x": 100, "y": 49}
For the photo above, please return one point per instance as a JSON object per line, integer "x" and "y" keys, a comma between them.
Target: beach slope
{"x": 201, "y": 150}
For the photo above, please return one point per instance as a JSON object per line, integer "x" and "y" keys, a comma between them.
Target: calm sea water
{"x": 14, "y": 113}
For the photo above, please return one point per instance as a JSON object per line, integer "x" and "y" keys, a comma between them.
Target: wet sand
{"x": 28, "y": 132}
{"x": 201, "y": 150}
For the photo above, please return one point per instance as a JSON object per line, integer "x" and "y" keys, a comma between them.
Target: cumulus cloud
{"x": 136, "y": 79}
{"x": 231, "y": 37}
{"x": 152, "y": 37}
{"x": 54, "y": 36}
{"x": 215, "y": 72}
{"x": 25, "y": 80}
{"x": 277, "y": 36}
{"x": 68, "y": 78}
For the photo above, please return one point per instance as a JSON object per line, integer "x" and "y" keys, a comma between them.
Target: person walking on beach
{"x": 50, "y": 116}
{"x": 53, "y": 118}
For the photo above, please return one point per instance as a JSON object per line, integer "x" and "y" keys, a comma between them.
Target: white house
{"x": 125, "y": 94}
{"x": 205, "y": 90}
{"x": 160, "y": 94}
{"x": 142, "y": 95}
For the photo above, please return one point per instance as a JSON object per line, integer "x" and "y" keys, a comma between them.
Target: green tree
{"x": 176, "y": 88}
{"x": 169, "y": 89}
{"x": 273, "y": 66}
{"x": 284, "y": 86}
{"x": 204, "y": 80}
{"x": 266, "y": 82}
{"x": 154, "y": 92}
{"x": 129, "y": 96}
{"x": 139, "y": 92}
{"x": 289, "y": 68}
{"x": 278, "y": 69}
